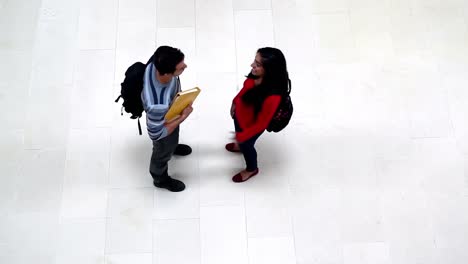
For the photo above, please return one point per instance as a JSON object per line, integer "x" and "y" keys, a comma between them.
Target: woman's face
{"x": 257, "y": 67}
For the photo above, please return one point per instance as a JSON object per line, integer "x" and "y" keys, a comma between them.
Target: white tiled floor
{"x": 373, "y": 168}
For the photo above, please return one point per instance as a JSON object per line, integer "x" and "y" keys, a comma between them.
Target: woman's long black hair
{"x": 275, "y": 79}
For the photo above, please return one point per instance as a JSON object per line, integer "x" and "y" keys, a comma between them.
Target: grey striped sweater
{"x": 157, "y": 98}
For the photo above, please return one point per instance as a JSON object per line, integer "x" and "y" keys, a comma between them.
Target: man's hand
{"x": 176, "y": 122}
{"x": 187, "y": 111}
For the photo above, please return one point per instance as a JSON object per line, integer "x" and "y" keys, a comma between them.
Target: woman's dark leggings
{"x": 248, "y": 149}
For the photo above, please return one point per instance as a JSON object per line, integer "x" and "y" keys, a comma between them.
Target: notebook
{"x": 180, "y": 102}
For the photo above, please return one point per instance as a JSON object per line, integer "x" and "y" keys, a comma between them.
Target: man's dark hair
{"x": 166, "y": 58}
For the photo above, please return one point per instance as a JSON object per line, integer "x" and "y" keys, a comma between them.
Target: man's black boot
{"x": 182, "y": 150}
{"x": 171, "y": 184}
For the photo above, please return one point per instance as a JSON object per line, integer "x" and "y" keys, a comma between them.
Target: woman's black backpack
{"x": 283, "y": 114}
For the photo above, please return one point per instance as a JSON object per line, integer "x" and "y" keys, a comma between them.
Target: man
{"x": 161, "y": 84}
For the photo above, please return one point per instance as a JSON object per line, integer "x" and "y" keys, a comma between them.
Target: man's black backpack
{"x": 130, "y": 91}
{"x": 283, "y": 114}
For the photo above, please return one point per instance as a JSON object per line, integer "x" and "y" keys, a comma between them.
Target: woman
{"x": 255, "y": 105}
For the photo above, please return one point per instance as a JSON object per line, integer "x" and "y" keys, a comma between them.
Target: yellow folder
{"x": 180, "y": 102}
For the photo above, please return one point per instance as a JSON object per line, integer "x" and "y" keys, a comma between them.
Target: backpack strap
{"x": 284, "y": 96}
{"x": 150, "y": 60}
{"x": 139, "y": 126}
{"x": 179, "y": 86}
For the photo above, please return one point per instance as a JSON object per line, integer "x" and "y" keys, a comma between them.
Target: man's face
{"x": 180, "y": 68}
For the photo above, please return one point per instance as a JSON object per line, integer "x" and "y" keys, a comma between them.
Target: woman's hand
{"x": 233, "y": 110}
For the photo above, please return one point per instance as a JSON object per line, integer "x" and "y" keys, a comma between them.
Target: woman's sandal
{"x": 238, "y": 176}
{"x": 232, "y": 147}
